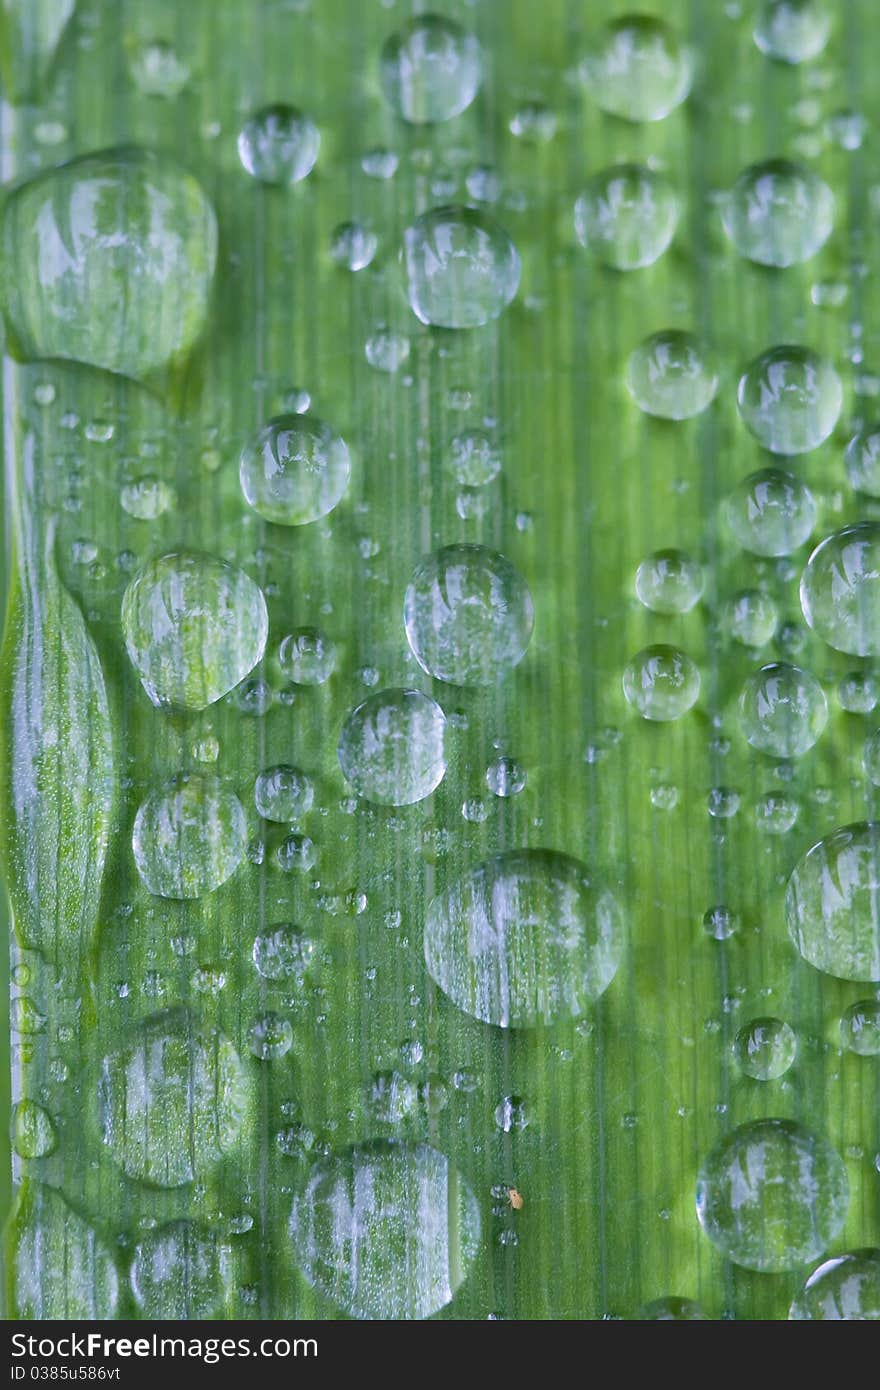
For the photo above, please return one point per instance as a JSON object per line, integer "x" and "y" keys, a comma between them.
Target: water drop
{"x": 296, "y": 854}
{"x": 294, "y": 470}
{"x": 669, "y": 581}
{"x": 307, "y": 656}
{"x": 832, "y": 903}
{"x": 270, "y": 1036}
{"x": 792, "y": 31}
{"x": 858, "y": 692}
{"x": 391, "y": 748}
{"x": 772, "y": 1195}
{"x": 627, "y": 216}
{"x": 194, "y": 627}
{"x": 33, "y": 1133}
{"x": 505, "y": 777}
{"x": 672, "y": 1310}
{"x": 672, "y": 375}
{"x": 57, "y": 1266}
{"x": 462, "y": 269}
{"x": 790, "y": 398}
{"x": 720, "y": 922}
{"x": 283, "y": 793}
{"x": 172, "y": 1102}
{"x": 387, "y": 1231}
{"x": 778, "y": 213}
{"x": 76, "y": 234}
{"x": 474, "y": 459}
{"x": 847, "y": 129}
{"x": 534, "y": 123}
{"x": 751, "y": 617}
{"x": 723, "y": 803}
{"x": 380, "y": 164}
{"x": 765, "y": 1048}
{"x": 840, "y": 590}
{"x": 525, "y": 938}
{"x": 661, "y": 683}
{"x": 637, "y": 69}
{"x": 771, "y": 513}
{"x": 392, "y": 1098}
{"x": 468, "y": 615}
{"x": 146, "y": 498}
{"x": 511, "y": 1114}
{"x": 862, "y": 460}
{"x": 182, "y": 1271}
{"x": 189, "y": 838}
{"x": 279, "y": 145}
{"x": 776, "y": 814}
{"x": 783, "y": 710}
{"x": 386, "y": 351}
{"x": 860, "y": 1028}
{"x": 430, "y": 70}
{"x": 483, "y": 184}
{"x": 283, "y": 953}
{"x": 352, "y": 245}
{"x": 157, "y": 70}
{"x": 845, "y": 1288}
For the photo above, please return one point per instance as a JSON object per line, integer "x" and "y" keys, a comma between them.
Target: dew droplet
{"x": 182, "y": 1271}
{"x": 783, "y": 710}
{"x": 386, "y": 351}
{"x": 845, "y": 1288}
{"x": 772, "y": 1195}
{"x": 294, "y": 470}
{"x": 765, "y": 1048}
{"x": 720, "y": 922}
{"x": 862, "y": 460}
{"x": 307, "y": 656}
{"x": 462, "y": 269}
{"x": 751, "y": 617}
{"x": 627, "y": 216}
{"x": 430, "y": 70}
{"x": 776, "y": 813}
{"x": 33, "y": 1132}
{"x": 771, "y": 512}
{"x": 858, "y": 692}
{"x": 473, "y": 458}
{"x": 194, "y": 627}
{"x": 189, "y": 838}
{"x": 790, "y": 398}
{"x": 511, "y": 1114}
{"x": 534, "y": 123}
{"x": 172, "y": 1102}
{"x": 380, "y": 163}
{"x": 75, "y": 234}
{"x": 661, "y": 683}
{"x": 270, "y": 1036}
{"x": 840, "y": 590}
{"x": 146, "y": 498}
{"x": 283, "y": 953}
{"x": 283, "y": 793}
{"x": 391, "y": 748}
{"x": 352, "y": 245}
{"x": 505, "y": 777}
{"x": 669, "y": 581}
{"x": 778, "y": 213}
{"x": 279, "y": 145}
{"x": 792, "y": 31}
{"x": 157, "y": 70}
{"x": 832, "y": 903}
{"x": 525, "y": 938}
{"x": 393, "y": 1098}
{"x": 57, "y": 1266}
{"x": 847, "y": 129}
{"x": 296, "y": 854}
{"x": 637, "y": 69}
{"x": 386, "y": 1231}
{"x": 860, "y": 1028}
{"x": 468, "y": 615}
{"x": 672, "y": 375}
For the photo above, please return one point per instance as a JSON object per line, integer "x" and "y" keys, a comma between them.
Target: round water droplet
{"x": 387, "y": 351}
{"x": 720, "y": 922}
{"x": 33, "y": 1133}
{"x": 352, "y": 245}
{"x": 75, "y": 237}
{"x": 627, "y": 216}
{"x": 534, "y": 123}
{"x": 468, "y": 615}
{"x": 283, "y": 953}
{"x": 845, "y": 1288}
{"x": 430, "y": 70}
{"x": 462, "y": 269}
{"x": 307, "y": 656}
{"x": 296, "y": 854}
{"x": 847, "y": 129}
{"x": 189, "y": 838}
{"x": 766, "y": 1048}
{"x": 283, "y": 793}
{"x": 524, "y": 939}
{"x": 182, "y": 1271}
{"x": 832, "y": 903}
{"x": 858, "y": 692}
{"x": 294, "y": 470}
{"x": 661, "y": 683}
{"x": 871, "y": 758}
{"x": 271, "y": 1036}
{"x": 790, "y": 398}
{"x": 669, "y": 581}
{"x": 672, "y": 375}
{"x": 771, "y": 512}
{"x": 505, "y": 777}
{"x": 57, "y": 1266}
{"x": 860, "y": 1028}
{"x": 511, "y": 1114}
{"x": 792, "y": 31}
{"x": 840, "y": 590}
{"x": 752, "y": 617}
{"x": 723, "y": 802}
{"x": 862, "y": 459}
{"x": 783, "y": 710}
{"x": 474, "y": 459}
{"x": 386, "y": 1231}
{"x": 637, "y": 69}
{"x": 173, "y": 1101}
{"x": 391, "y": 749}
{"x": 147, "y": 498}
{"x": 194, "y": 627}
{"x": 279, "y": 145}
{"x": 392, "y": 1098}
{"x": 772, "y": 1195}
{"x": 672, "y": 1310}
{"x": 778, "y": 213}
{"x": 776, "y": 814}
{"x": 157, "y": 70}
{"x": 380, "y": 164}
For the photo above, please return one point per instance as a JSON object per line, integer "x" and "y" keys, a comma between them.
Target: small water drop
{"x": 840, "y": 590}
{"x": 778, "y": 213}
{"x": 505, "y": 777}
{"x": 33, "y": 1132}
{"x": 661, "y": 683}
{"x": 158, "y": 70}
{"x": 283, "y": 793}
{"x": 669, "y": 581}
{"x": 386, "y": 351}
{"x": 845, "y": 1288}
{"x": 765, "y": 1048}
{"x": 627, "y": 216}
{"x": 792, "y": 31}
{"x": 391, "y": 748}
{"x": 473, "y": 458}
{"x": 352, "y": 245}
{"x": 462, "y": 269}
{"x": 783, "y": 710}
{"x": 771, "y": 513}
{"x": 832, "y": 903}
{"x": 307, "y": 656}
{"x": 294, "y": 470}
{"x": 672, "y": 375}
{"x": 430, "y": 70}
{"x": 147, "y": 498}
{"x": 279, "y": 145}
{"x": 270, "y": 1036}
{"x": 636, "y": 69}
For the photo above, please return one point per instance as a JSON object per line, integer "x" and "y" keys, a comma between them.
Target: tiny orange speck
{"x": 515, "y": 1199}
